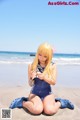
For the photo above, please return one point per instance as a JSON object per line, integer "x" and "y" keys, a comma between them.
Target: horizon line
{"x": 34, "y": 52}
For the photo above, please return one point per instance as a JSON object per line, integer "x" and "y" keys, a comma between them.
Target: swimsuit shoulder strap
{"x": 52, "y": 62}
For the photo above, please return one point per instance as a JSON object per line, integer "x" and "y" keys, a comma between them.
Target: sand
{"x": 12, "y": 86}
{"x": 73, "y": 94}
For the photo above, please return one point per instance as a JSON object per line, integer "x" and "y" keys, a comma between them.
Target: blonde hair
{"x": 46, "y": 50}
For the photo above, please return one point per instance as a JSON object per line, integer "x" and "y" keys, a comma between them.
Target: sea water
{"x": 13, "y": 68}
{"x": 27, "y": 57}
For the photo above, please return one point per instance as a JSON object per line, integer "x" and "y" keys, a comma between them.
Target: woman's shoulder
{"x": 29, "y": 65}
{"x": 53, "y": 64}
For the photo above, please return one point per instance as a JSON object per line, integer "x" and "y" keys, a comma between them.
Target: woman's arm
{"x": 31, "y": 75}
{"x": 51, "y": 79}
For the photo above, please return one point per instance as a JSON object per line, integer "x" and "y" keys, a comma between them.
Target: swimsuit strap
{"x": 40, "y": 68}
{"x": 52, "y": 62}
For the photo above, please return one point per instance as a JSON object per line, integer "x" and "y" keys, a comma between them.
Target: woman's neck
{"x": 42, "y": 64}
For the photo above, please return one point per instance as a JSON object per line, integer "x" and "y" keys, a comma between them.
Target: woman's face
{"x": 42, "y": 58}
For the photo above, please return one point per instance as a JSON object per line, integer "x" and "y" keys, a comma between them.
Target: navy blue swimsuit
{"x": 41, "y": 88}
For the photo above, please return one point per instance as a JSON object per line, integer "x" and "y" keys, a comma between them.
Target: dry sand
{"x": 15, "y": 76}
{"x": 73, "y": 94}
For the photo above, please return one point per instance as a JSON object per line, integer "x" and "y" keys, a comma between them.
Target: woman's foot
{"x": 17, "y": 103}
{"x": 65, "y": 103}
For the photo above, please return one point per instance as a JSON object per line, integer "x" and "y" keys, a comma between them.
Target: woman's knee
{"x": 38, "y": 109}
{"x": 38, "y": 106}
{"x": 49, "y": 110}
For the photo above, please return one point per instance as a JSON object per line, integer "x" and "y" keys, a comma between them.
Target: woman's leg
{"x": 34, "y": 105}
{"x": 49, "y": 105}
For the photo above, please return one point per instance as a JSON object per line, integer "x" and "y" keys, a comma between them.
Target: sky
{"x": 25, "y": 24}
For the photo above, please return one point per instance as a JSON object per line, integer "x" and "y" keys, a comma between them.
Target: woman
{"x": 42, "y": 74}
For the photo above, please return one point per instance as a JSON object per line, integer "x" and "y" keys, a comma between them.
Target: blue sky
{"x": 24, "y": 24}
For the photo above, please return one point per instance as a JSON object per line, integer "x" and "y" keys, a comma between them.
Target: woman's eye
{"x": 45, "y": 56}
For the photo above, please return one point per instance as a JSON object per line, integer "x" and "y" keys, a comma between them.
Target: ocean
{"x": 13, "y": 68}
{"x": 10, "y": 57}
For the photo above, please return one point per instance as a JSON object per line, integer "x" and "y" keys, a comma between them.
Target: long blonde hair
{"x": 46, "y": 50}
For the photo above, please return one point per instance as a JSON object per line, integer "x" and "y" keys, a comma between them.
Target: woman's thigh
{"x": 34, "y": 104}
{"x": 49, "y": 100}
{"x": 48, "y": 104}
{"x": 37, "y": 102}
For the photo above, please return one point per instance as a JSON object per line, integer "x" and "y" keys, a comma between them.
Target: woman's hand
{"x": 40, "y": 75}
{"x": 33, "y": 74}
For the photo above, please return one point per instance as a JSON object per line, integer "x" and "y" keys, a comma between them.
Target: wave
{"x": 59, "y": 61}
{"x": 66, "y": 61}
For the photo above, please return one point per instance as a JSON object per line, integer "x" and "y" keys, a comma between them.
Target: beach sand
{"x": 9, "y": 93}
{"x": 73, "y": 94}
